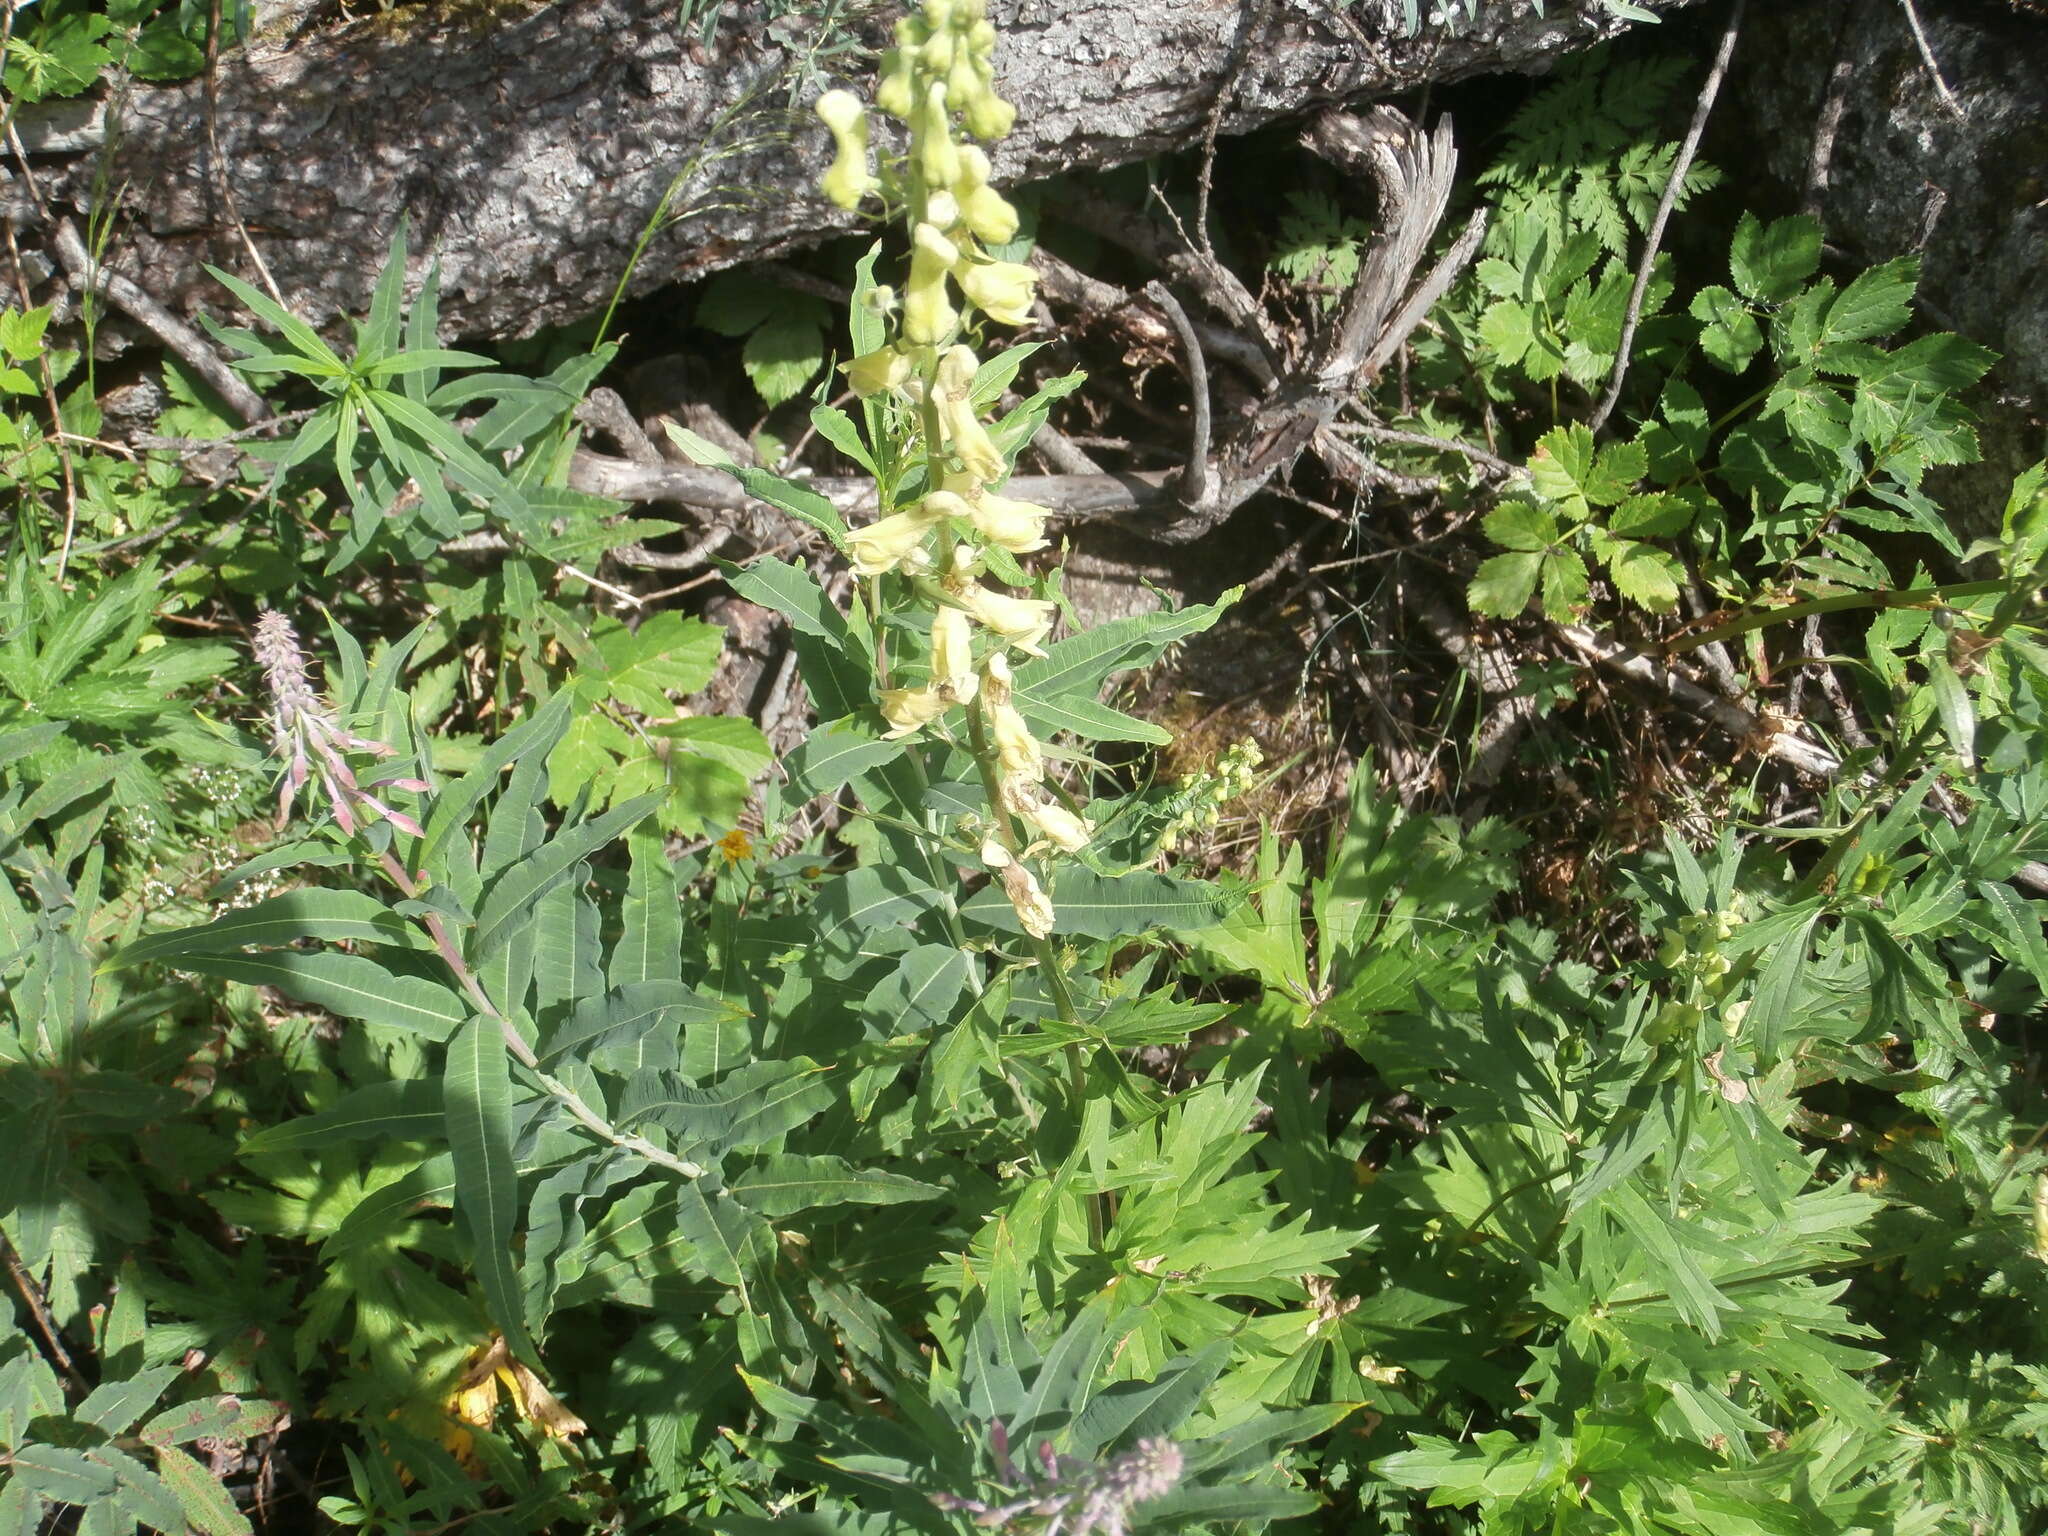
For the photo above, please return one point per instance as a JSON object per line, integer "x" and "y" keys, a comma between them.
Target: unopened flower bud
{"x": 937, "y": 155}
{"x": 896, "y": 92}
{"x": 989, "y": 116}
{"x": 942, "y": 209}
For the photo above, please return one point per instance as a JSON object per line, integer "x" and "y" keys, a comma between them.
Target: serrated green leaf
{"x": 1729, "y": 333}
{"x": 1503, "y": 585}
{"x": 1877, "y": 302}
{"x": 1521, "y": 525}
{"x": 1771, "y": 261}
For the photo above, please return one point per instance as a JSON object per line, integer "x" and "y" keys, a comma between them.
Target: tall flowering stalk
{"x": 938, "y": 82}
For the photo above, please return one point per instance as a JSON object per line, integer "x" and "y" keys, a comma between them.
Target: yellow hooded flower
{"x": 1059, "y": 826}
{"x": 877, "y": 372}
{"x": 928, "y": 314}
{"x": 1016, "y": 748}
{"x": 1018, "y": 526}
{"x": 957, "y": 418}
{"x": 953, "y": 654}
{"x": 937, "y": 155}
{"x": 888, "y": 543}
{"x": 849, "y": 180}
{"x": 983, "y": 209}
{"x": 1000, "y": 289}
{"x": 1034, "y": 910}
{"x": 1022, "y": 621}
{"x": 910, "y": 710}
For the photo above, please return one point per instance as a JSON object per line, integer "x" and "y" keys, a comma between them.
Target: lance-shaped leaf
{"x": 743, "y": 1110}
{"x": 328, "y": 916}
{"x": 646, "y": 1018}
{"x": 1088, "y": 905}
{"x": 396, "y": 1111}
{"x": 513, "y": 894}
{"x": 348, "y": 986}
{"x": 478, "y": 1108}
{"x": 918, "y": 996}
{"x": 785, "y": 1183}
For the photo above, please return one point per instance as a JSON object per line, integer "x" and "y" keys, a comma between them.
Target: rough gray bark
{"x": 531, "y": 145}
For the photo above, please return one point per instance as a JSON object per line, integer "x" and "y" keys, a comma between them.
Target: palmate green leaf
{"x": 409, "y": 1110}
{"x": 326, "y": 916}
{"x": 348, "y": 986}
{"x": 1522, "y": 525}
{"x": 667, "y": 655}
{"x": 785, "y": 1183}
{"x": 1088, "y": 905}
{"x": 478, "y": 1111}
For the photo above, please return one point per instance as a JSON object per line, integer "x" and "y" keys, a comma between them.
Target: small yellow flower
{"x": 983, "y": 209}
{"x": 1059, "y": 826}
{"x": 1016, "y": 748}
{"x": 736, "y": 846}
{"x": 953, "y": 654}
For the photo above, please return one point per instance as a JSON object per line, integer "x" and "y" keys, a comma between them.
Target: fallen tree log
{"x": 532, "y": 146}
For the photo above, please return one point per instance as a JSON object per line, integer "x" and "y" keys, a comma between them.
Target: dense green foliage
{"x": 554, "y": 1121}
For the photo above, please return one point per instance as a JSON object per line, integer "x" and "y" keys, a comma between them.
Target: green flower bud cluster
{"x": 1198, "y": 801}
{"x": 1692, "y": 946}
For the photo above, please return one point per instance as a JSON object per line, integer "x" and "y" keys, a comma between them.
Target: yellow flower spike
{"x": 940, "y": 52}
{"x": 953, "y": 655}
{"x": 937, "y": 155}
{"x": 877, "y": 372}
{"x": 910, "y": 710}
{"x": 1034, "y": 910}
{"x": 928, "y": 314}
{"x": 1018, "y": 526}
{"x": 1000, "y": 289}
{"x": 985, "y": 211}
{"x": 1021, "y": 621}
{"x": 888, "y": 543}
